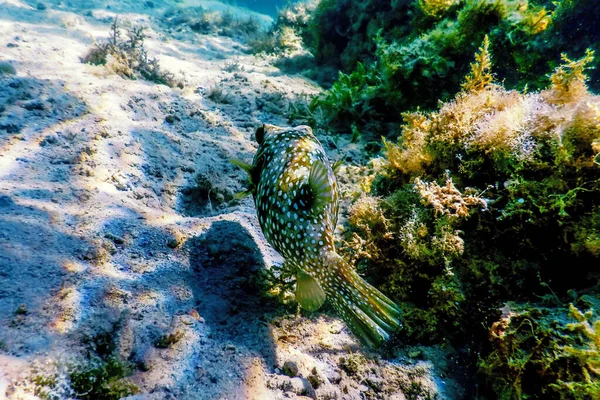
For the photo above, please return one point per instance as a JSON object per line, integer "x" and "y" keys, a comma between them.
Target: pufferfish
{"x": 296, "y": 197}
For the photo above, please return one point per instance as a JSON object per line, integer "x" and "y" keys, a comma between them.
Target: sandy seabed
{"x": 105, "y": 231}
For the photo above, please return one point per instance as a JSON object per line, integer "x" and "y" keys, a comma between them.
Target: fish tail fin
{"x": 369, "y": 314}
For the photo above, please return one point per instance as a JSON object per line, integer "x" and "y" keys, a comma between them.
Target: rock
{"x": 173, "y": 243}
{"x": 10, "y": 127}
{"x": 172, "y": 118}
{"x": 32, "y": 105}
{"x": 333, "y": 376}
{"x": 290, "y": 369}
{"x": 116, "y": 239}
{"x": 49, "y": 140}
{"x": 301, "y": 386}
{"x": 328, "y": 392}
{"x": 297, "y": 385}
{"x": 6, "y": 201}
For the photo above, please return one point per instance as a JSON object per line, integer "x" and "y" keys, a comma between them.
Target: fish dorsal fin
{"x": 320, "y": 187}
{"x": 309, "y": 293}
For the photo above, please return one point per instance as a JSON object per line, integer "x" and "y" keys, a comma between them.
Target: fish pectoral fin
{"x": 309, "y": 293}
{"x": 245, "y": 166}
{"x": 336, "y": 166}
{"x": 320, "y": 187}
{"x": 242, "y": 195}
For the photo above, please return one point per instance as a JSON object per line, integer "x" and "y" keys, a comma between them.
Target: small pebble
{"x": 290, "y": 369}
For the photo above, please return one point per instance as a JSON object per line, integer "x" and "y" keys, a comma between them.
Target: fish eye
{"x": 259, "y": 135}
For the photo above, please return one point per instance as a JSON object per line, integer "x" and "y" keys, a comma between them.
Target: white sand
{"x": 91, "y": 195}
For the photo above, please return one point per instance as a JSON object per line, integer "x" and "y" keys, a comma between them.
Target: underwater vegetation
{"x": 545, "y": 353}
{"x": 128, "y": 58}
{"x": 200, "y": 20}
{"x": 399, "y": 55}
{"x": 289, "y": 30}
{"x": 491, "y": 201}
{"x": 103, "y": 374}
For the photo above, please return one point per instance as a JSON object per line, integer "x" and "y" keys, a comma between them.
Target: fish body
{"x": 296, "y": 198}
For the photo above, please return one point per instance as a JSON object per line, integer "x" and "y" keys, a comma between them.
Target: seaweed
{"x": 545, "y": 353}
{"x": 129, "y": 58}
{"x": 482, "y": 203}
{"x": 419, "y": 51}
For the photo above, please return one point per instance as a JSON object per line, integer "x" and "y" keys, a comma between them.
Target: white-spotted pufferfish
{"x": 296, "y": 198}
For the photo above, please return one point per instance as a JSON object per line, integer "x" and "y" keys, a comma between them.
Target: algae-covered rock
{"x": 413, "y": 53}
{"x": 486, "y": 200}
{"x": 541, "y": 352}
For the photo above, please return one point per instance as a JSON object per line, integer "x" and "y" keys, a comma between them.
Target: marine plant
{"x": 541, "y": 352}
{"x": 102, "y": 374}
{"x": 7, "y": 68}
{"x": 128, "y": 58}
{"x": 419, "y": 50}
{"x": 289, "y": 33}
{"x": 208, "y": 22}
{"x": 349, "y": 100}
{"x": 483, "y": 202}
{"x": 436, "y": 8}
{"x": 102, "y": 380}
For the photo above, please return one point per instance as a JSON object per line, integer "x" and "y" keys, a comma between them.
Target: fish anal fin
{"x": 309, "y": 293}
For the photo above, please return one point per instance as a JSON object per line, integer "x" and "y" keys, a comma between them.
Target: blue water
{"x": 262, "y": 6}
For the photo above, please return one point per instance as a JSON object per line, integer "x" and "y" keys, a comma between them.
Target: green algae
{"x": 494, "y": 199}
{"x": 545, "y": 353}
{"x": 419, "y": 51}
